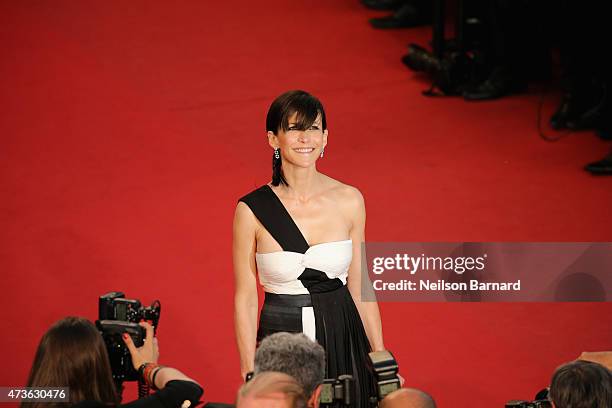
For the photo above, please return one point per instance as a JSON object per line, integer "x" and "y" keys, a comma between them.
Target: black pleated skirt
{"x": 339, "y": 330}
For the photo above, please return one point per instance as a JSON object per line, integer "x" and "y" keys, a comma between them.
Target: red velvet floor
{"x": 129, "y": 129}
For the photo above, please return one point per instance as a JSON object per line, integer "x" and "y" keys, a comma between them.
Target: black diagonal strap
{"x": 275, "y": 218}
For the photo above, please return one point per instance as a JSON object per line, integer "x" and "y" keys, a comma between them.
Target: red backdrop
{"x": 129, "y": 129}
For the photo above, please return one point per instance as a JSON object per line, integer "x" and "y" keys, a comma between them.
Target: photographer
{"x": 271, "y": 389}
{"x": 581, "y": 384}
{"x": 303, "y": 359}
{"x": 297, "y": 356}
{"x": 408, "y": 398}
{"x": 72, "y": 354}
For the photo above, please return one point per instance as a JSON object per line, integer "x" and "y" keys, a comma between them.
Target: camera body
{"x": 528, "y": 404}
{"x": 385, "y": 368}
{"x": 540, "y": 400}
{"x": 336, "y": 390}
{"x": 114, "y": 306}
{"x": 118, "y": 315}
{"x": 118, "y": 354}
{"x": 333, "y": 390}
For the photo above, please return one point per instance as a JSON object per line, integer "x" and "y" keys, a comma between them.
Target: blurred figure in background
{"x": 586, "y": 71}
{"x": 407, "y": 13}
{"x": 383, "y": 4}
{"x": 516, "y": 50}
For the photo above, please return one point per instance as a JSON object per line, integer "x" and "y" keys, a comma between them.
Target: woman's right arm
{"x": 245, "y": 295}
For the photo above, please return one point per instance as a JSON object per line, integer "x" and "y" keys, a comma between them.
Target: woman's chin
{"x": 302, "y": 162}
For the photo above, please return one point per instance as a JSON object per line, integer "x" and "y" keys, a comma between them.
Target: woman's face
{"x": 299, "y": 147}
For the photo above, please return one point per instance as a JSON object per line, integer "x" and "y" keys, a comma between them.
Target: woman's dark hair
{"x": 307, "y": 108}
{"x": 581, "y": 384}
{"x": 72, "y": 354}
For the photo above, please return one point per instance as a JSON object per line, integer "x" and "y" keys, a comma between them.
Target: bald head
{"x": 271, "y": 390}
{"x": 408, "y": 398}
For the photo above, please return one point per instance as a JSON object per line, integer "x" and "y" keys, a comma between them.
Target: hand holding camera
{"x": 118, "y": 317}
{"x": 148, "y": 352}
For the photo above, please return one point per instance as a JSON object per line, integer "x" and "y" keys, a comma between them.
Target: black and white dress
{"x": 306, "y": 292}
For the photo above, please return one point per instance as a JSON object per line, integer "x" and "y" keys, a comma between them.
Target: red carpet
{"x": 129, "y": 129}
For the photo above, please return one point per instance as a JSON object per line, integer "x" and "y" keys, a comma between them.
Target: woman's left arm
{"x": 359, "y": 283}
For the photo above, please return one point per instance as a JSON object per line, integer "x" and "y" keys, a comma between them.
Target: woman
{"x": 72, "y": 354}
{"x": 302, "y": 234}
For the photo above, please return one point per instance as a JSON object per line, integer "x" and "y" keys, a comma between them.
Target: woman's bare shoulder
{"x": 346, "y": 194}
{"x": 244, "y": 216}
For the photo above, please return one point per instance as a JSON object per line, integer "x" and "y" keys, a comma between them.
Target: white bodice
{"x": 279, "y": 271}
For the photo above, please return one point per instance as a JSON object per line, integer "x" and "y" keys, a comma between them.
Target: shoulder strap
{"x": 270, "y": 211}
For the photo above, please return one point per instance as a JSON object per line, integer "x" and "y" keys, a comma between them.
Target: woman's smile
{"x": 304, "y": 150}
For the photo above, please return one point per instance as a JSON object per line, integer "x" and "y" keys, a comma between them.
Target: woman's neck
{"x": 303, "y": 182}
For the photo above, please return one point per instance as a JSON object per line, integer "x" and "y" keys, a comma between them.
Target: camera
{"x": 385, "y": 368}
{"x": 336, "y": 390}
{"x": 118, "y": 315}
{"x": 528, "y": 404}
{"x": 114, "y": 306}
{"x": 118, "y": 354}
{"x": 540, "y": 401}
{"x": 333, "y": 390}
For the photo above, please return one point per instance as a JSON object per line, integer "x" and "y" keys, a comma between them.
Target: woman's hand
{"x": 601, "y": 357}
{"x": 401, "y": 379}
{"x": 148, "y": 353}
{"x": 244, "y": 372}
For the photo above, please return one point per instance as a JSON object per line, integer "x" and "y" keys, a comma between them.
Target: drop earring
{"x": 322, "y": 150}
{"x": 276, "y": 154}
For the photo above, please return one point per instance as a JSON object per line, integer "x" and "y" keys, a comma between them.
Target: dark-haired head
{"x": 72, "y": 354}
{"x": 304, "y": 109}
{"x": 581, "y": 384}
